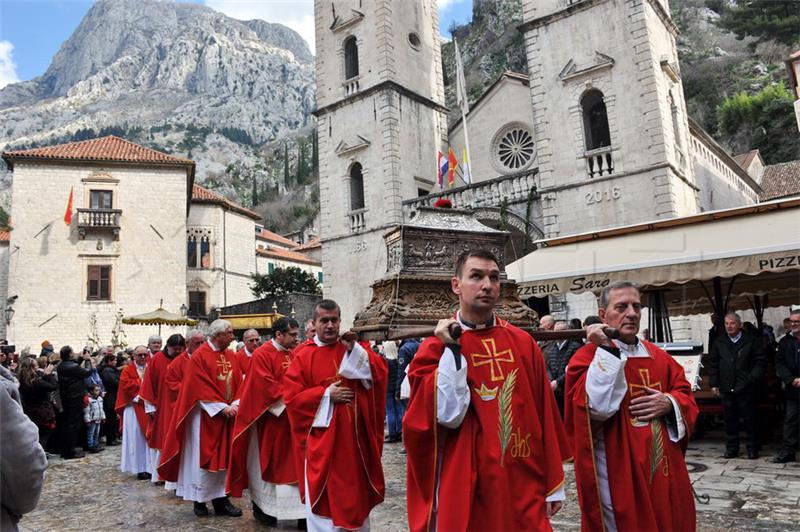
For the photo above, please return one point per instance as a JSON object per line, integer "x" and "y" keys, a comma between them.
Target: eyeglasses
{"x": 794, "y": 322}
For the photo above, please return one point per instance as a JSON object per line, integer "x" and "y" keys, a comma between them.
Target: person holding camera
{"x": 72, "y": 371}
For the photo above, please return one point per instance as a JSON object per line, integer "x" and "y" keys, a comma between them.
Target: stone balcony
{"x": 99, "y": 220}
{"x": 358, "y": 220}
{"x": 510, "y": 189}
{"x": 599, "y": 162}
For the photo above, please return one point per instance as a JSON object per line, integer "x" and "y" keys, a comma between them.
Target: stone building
{"x": 380, "y": 120}
{"x": 595, "y": 136}
{"x": 118, "y": 252}
{"x": 220, "y": 239}
{"x": 142, "y": 234}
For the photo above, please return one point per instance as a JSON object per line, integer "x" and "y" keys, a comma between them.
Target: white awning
{"x": 760, "y": 243}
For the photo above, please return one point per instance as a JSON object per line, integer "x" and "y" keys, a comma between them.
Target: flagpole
{"x": 464, "y": 107}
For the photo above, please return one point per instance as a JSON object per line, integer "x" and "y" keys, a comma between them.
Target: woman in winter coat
{"x": 35, "y": 387}
{"x": 110, "y": 375}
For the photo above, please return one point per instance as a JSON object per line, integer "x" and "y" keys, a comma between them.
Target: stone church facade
{"x": 595, "y": 136}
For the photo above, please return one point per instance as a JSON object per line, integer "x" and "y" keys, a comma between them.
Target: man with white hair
{"x": 133, "y": 420}
{"x": 153, "y": 346}
{"x": 196, "y": 453}
{"x": 737, "y": 364}
{"x": 252, "y": 341}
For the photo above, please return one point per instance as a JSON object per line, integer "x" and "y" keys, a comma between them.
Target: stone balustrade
{"x": 99, "y": 219}
{"x": 599, "y": 162}
{"x": 358, "y": 220}
{"x": 490, "y": 193}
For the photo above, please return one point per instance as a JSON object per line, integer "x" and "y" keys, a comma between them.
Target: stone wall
{"x": 507, "y": 104}
{"x": 48, "y": 270}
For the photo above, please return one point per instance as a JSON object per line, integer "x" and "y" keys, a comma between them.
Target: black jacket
{"x": 408, "y": 348}
{"x": 110, "y": 377}
{"x": 70, "y": 380}
{"x": 787, "y": 364}
{"x": 736, "y": 367}
{"x": 557, "y": 358}
{"x": 36, "y": 401}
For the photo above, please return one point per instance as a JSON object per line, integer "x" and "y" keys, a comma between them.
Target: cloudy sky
{"x": 31, "y": 31}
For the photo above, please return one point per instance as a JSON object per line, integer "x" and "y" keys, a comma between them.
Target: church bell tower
{"x": 610, "y": 121}
{"x": 380, "y": 119}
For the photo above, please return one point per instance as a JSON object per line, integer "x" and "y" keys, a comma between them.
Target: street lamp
{"x": 9, "y": 312}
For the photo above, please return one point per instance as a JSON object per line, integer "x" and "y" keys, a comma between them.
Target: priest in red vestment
{"x": 629, "y": 412}
{"x": 252, "y": 341}
{"x": 483, "y": 432}
{"x": 132, "y": 418}
{"x": 156, "y": 403}
{"x": 195, "y": 454}
{"x": 173, "y": 382}
{"x": 261, "y": 453}
{"x": 335, "y": 394}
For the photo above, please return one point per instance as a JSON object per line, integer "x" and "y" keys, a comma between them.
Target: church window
{"x": 413, "y": 40}
{"x": 198, "y": 248}
{"x": 356, "y": 187}
{"x": 197, "y": 303}
{"x": 513, "y": 148}
{"x": 100, "y": 199}
{"x": 595, "y": 121}
{"x": 350, "y": 58}
{"x": 98, "y": 283}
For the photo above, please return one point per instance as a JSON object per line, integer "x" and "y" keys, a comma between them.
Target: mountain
{"x": 178, "y": 77}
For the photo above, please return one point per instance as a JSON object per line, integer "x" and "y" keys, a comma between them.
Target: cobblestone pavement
{"x": 91, "y": 494}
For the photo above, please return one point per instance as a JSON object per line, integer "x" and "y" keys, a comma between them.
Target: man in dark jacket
{"x": 110, "y": 375}
{"x": 737, "y": 364}
{"x": 408, "y": 348}
{"x": 787, "y": 364}
{"x": 556, "y": 358}
{"x": 71, "y": 374}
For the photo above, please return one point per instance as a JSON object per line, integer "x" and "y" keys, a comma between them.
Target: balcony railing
{"x": 358, "y": 221}
{"x": 351, "y": 86}
{"x": 99, "y": 220}
{"x": 599, "y": 162}
{"x": 491, "y": 193}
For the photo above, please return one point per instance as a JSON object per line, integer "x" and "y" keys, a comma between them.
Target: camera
{"x": 8, "y": 349}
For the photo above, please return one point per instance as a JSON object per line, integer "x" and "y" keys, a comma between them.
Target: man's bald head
{"x": 547, "y": 322}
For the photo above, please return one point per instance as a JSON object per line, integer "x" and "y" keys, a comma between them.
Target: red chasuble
{"x": 263, "y": 388}
{"x": 498, "y": 467}
{"x": 343, "y": 461}
{"x": 129, "y": 385}
{"x": 244, "y": 360}
{"x": 211, "y": 376}
{"x": 647, "y": 476}
{"x": 154, "y": 391}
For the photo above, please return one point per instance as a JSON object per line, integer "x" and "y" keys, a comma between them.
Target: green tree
{"x": 255, "y": 191}
{"x": 4, "y": 220}
{"x": 766, "y": 20}
{"x": 315, "y": 155}
{"x": 284, "y": 281}
{"x": 763, "y": 121}
{"x": 286, "y": 176}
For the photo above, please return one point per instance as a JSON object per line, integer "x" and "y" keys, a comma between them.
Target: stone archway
{"x": 523, "y": 233}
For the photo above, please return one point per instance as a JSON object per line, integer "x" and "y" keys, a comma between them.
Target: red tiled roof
{"x": 203, "y": 195}
{"x": 104, "y": 149}
{"x": 5, "y": 236}
{"x": 311, "y": 244}
{"x": 780, "y": 180}
{"x": 275, "y": 237}
{"x": 289, "y": 256}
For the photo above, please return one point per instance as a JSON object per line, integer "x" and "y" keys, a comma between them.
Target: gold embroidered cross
{"x": 639, "y": 389}
{"x": 224, "y": 367}
{"x": 493, "y": 358}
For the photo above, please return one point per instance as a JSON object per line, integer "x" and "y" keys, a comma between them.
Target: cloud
{"x": 8, "y": 69}
{"x": 295, "y": 14}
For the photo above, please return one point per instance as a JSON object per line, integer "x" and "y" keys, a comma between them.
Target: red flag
{"x": 451, "y": 171}
{"x": 68, "y": 214}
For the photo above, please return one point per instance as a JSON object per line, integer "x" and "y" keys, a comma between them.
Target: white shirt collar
{"x": 637, "y": 350}
{"x": 213, "y": 347}
{"x": 736, "y": 338}
{"x": 479, "y": 326}
{"x": 319, "y": 342}
{"x": 278, "y": 346}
